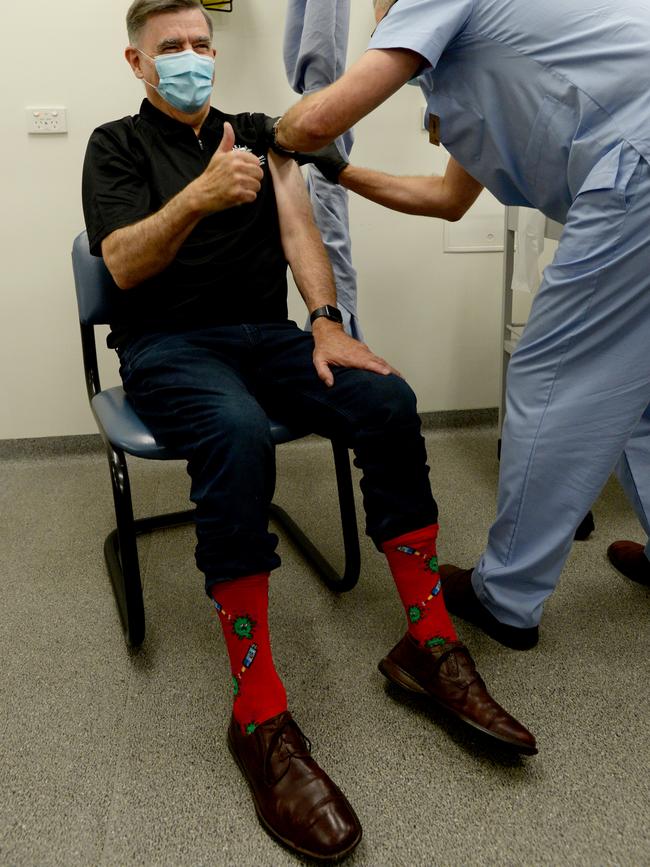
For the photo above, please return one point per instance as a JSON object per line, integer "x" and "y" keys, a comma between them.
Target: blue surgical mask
{"x": 185, "y": 79}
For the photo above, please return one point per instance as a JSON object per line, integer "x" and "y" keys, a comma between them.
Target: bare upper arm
{"x": 294, "y": 205}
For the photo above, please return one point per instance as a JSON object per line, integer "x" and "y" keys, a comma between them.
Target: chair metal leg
{"x": 336, "y": 581}
{"x": 121, "y": 553}
{"x": 121, "y": 550}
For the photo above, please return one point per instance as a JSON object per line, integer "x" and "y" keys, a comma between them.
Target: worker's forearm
{"x": 138, "y": 252}
{"x": 322, "y": 116}
{"x": 423, "y": 196}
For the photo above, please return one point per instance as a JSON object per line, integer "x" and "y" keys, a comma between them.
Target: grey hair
{"x": 141, "y": 10}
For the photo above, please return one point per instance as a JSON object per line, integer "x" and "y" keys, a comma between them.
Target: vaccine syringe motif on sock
{"x": 430, "y": 561}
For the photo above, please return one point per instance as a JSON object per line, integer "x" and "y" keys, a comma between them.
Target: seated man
{"x": 196, "y": 223}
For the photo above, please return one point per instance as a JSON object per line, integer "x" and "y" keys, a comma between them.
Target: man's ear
{"x": 133, "y": 59}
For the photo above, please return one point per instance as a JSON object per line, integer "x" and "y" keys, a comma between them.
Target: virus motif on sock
{"x": 418, "y": 611}
{"x": 242, "y": 625}
{"x": 436, "y": 641}
{"x": 430, "y": 563}
{"x": 250, "y": 728}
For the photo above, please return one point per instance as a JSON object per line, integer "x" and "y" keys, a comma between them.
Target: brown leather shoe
{"x": 462, "y": 601}
{"x": 295, "y": 800}
{"x": 630, "y": 559}
{"x": 447, "y": 674}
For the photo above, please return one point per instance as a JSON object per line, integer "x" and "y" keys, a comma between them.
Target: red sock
{"x": 243, "y": 611}
{"x": 414, "y": 564}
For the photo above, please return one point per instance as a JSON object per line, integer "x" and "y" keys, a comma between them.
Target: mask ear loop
{"x": 153, "y": 60}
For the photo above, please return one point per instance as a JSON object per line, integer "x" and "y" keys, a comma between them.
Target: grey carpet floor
{"x": 111, "y": 757}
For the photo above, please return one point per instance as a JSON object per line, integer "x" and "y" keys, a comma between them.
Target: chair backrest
{"x": 97, "y": 293}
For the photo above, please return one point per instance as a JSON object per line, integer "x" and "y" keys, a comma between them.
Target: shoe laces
{"x": 279, "y": 741}
{"x": 450, "y": 656}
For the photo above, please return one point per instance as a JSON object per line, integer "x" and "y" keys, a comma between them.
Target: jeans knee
{"x": 390, "y": 402}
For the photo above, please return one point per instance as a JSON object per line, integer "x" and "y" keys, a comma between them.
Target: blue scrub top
{"x": 534, "y": 98}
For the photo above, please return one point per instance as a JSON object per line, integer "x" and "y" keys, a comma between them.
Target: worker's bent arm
{"x": 447, "y": 197}
{"x": 320, "y": 117}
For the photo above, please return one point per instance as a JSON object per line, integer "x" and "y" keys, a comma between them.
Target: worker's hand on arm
{"x": 334, "y": 348}
{"x": 329, "y": 161}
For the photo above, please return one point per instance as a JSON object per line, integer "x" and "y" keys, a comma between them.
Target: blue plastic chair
{"x": 123, "y": 432}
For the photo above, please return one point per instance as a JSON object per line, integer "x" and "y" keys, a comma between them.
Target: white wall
{"x": 433, "y": 315}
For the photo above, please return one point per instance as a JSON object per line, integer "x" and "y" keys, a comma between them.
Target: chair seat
{"x": 128, "y": 432}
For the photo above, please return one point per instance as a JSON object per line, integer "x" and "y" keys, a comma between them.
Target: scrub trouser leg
{"x": 578, "y": 386}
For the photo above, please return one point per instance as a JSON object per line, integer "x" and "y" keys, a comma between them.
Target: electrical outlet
{"x": 46, "y": 121}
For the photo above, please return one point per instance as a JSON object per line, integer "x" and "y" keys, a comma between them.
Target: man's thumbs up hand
{"x": 227, "y": 140}
{"x": 232, "y": 177}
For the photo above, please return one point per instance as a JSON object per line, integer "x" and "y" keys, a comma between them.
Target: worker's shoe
{"x": 630, "y": 559}
{"x": 447, "y": 674}
{"x": 462, "y": 601}
{"x": 295, "y": 800}
{"x": 585, "y": 528}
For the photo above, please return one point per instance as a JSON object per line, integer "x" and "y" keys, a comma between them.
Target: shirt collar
{"x": 170, "y": 125}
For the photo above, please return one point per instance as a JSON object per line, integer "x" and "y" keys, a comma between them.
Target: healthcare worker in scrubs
{"x": 548, "y": 106}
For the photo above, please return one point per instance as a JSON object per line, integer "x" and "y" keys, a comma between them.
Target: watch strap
{"x": 329, "y": 312}
{"x": 277, "y": 146}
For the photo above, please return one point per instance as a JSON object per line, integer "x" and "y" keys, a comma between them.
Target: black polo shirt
{"x": 230, "y": 269}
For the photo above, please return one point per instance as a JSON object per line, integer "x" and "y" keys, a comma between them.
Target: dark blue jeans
{"x": 206, "y": 393}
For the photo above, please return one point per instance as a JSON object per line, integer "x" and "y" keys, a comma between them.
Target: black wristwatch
{"x": 276, "y": 145}
{"x": 328, "y": 312}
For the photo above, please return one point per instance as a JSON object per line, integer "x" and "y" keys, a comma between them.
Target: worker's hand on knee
{"x": 233, "y": 177}
{"x": 334, "y": 348}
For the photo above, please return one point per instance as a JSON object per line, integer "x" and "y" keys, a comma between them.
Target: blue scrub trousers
{"x": 578, "y": 392}
{"x": 206, "y": 392}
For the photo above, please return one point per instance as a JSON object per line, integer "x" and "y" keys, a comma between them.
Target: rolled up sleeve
{"x": 424, "y": 26}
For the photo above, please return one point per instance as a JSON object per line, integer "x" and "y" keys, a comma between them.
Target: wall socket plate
{"x": 46, "y": 121}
